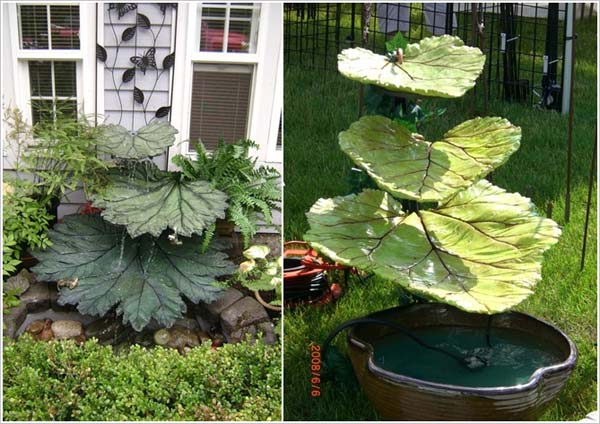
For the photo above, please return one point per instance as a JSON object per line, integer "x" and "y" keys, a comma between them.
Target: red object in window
{"x": 212, "y": 40}
{"x": 64, "y": 31}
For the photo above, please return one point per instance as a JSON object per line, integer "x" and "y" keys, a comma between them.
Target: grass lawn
{"x": 318, "y": 105}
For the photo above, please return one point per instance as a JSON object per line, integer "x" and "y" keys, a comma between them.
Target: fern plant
{"x": 253, "y": 192}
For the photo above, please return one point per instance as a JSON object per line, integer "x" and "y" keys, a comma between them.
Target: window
{"x": 220, "y": 103}
{"x": 53, "y": 88}
{"x": 49, "y": 27}
{"x": 229, "y": 91}
{"x": 223, "y": 72}
{"x": 229, "y": 27}
{"x": 48, "y": 38}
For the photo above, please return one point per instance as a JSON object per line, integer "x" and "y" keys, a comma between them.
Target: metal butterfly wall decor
{"x": 122, "y": 8}
{"x": 147, "y": 60}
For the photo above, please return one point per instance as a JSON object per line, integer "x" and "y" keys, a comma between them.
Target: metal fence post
{"x": 571, "y": 74}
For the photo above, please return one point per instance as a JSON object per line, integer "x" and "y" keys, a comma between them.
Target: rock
{"x": 268, "y": 331}
{"x": 46, "y": 334}
{"x": 37, "y": 297}
{"x": 80, "y": 339}
{"x": 54, "y": 304}
{"x": 182, "y": 337}
{"x": 35, "y": 327}
{"x": 19, "y": 283}
{"x": 162, "y": 337}
{"x": 67, "y": 329}
{"x": 243, "y": 313}
{"x": 105, "y": 329}
{"x": 145, "y": 339}
{"x": 266, "y": 328}
{"x": 13, "y": 319}
{"x": 204, "y": 324}
{"x": 212, "y": 311}
{"x": 189, "y": 323}
{"x": 202, "y": 336}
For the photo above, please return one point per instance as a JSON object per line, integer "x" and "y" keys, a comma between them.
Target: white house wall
{"x": 95, "y": 77}
{"x": 118, "y": 104}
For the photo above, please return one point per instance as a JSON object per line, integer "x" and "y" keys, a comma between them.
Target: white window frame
{"x": 84, "y": 57}
{"x": 267, "y": 87}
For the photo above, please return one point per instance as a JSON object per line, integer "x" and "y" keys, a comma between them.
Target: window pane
{"x": 34, "y": 27}
{"x": 237, "y": 22}
{"x": 239, "y": 36}
{"x": 220, "y": 104}
{"x": 218, "y": 12}
{"x": 64, "y": 27}
{"x": 241, "y": 13}
{"x": 211, "y": 35}
{"x": 40, "y": 78}
{"x": 66, "y": 108}
{"x": 65, "y": 80}
{"x": 41, "y": 110}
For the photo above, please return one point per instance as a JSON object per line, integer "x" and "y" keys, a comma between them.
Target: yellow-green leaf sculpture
{"x": 478, "y": 247}
{"x": 435, "y": 67}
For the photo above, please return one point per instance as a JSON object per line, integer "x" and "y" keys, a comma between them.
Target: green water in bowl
{"x": 512, "y": 359}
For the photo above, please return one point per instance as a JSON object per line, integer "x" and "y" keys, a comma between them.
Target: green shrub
{"x": 25, "y": 224}
{"x": 64, "y": 381}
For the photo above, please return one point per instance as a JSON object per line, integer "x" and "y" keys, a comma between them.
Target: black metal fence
{"x": 524, "y": 43}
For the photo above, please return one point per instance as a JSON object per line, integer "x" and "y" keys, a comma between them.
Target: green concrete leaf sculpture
{"x": 148, "y": 200}
{"x": 150, "y": 140}
{"x": 436, "y": 66}
{"x": 145, "y": 277}
{"x": 480, "y": 250}
{"x": 407, "y": 166}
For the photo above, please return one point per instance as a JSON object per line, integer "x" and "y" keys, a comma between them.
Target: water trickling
{"x": 120, "y": 262}
{"x": 512, "y": 359}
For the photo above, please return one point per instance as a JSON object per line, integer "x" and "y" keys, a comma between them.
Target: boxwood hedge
{"x": 65, "y": 381}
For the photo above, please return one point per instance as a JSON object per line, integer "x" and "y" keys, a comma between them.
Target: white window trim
{"x": 267, "y": 84}
{"x": 85, "y": 58}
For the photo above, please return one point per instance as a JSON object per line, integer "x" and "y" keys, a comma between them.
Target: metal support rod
{"x": 480, "y": 29}
{"x": 365, "y": 20}
{"x": 474, "y": 32}
{"x": 570, "y": 133}
{"x": 589, "y": 200}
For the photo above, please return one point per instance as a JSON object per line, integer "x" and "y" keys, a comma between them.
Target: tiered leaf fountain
{"x": 468, "y": 251}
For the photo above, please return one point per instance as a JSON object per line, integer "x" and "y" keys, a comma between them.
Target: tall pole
{"x": 474, "y": 33}
{"x": 589, "y": 200}
{"x": 570, "y": 133}
{"x": 365, "y": 20}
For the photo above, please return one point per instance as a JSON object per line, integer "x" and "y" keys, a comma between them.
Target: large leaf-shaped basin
{"x": 437, "y": 66}
{"x": 148, "y": 200}
{"x": 407, "y": 166}
{"x": 481, "y": 250}
{"x": 148, "y": 141}
{"x": 146, "y": 277}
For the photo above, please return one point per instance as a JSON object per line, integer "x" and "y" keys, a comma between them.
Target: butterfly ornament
{"x": 147, "y": 60}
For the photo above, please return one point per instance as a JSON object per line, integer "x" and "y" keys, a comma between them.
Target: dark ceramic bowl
{"x": 399, "y": 397}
